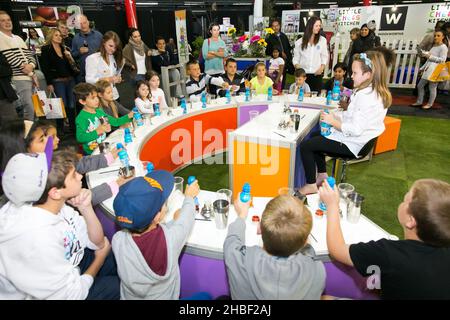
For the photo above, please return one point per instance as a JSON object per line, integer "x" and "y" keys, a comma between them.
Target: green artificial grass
{"x": 423, "y": 151}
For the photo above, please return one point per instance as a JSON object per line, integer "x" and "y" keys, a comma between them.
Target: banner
{"x": 180, "y": 25}
{"x": 290, "y": 21}
{"x": 49, "y": 15}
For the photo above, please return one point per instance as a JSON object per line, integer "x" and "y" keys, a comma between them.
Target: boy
{"x": 147, "y": 250}
{"x": 414, "y": 268}
{"x": 236, "y": 81}
{"x": 300, "y": 78}
{"x": 279, "y": 270}
{"x": 197, "y": 81}
{"x": 45, "y": 247}
{"x": 92, "y": 122}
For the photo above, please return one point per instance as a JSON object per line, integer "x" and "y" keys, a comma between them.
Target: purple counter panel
{"x": 244, "y": 112}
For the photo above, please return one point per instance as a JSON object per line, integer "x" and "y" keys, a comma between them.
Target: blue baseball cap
{"x": 140, "y": 199}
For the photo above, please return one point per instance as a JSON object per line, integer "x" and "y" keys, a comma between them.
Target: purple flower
{"x": 236, "y": 47}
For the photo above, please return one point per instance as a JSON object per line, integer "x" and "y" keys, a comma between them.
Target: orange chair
{"x": 387, "y": 141}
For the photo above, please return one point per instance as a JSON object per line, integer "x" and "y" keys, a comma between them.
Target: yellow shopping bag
{"x": 441, "y": 72}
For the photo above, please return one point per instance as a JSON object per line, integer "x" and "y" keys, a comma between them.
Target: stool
{"x": 366, "y": 151}
{"x": 387, "y": 141}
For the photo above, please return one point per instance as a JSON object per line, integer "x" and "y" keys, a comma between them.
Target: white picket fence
{"x": 405, "y": 70}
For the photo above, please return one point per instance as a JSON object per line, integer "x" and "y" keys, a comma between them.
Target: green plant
{"x": 197, "y": 46}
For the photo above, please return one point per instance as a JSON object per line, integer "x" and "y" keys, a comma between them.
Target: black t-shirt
{"x": 409, "y": 269}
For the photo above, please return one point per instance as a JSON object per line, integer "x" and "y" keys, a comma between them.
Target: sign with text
{"x": 304, "y": 17}
{"x": 393, "y": 20}
{"x": 180, "y": 25}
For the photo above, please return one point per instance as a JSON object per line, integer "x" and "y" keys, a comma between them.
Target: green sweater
{"x": 87, "y": 123}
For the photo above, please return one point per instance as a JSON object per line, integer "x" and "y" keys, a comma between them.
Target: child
{"x": 147, "y": 250}
{"x": 261, "y": 83}
{"x": 340, "y": 74}
{"x": 276, "y": 67}
{"x": 107, "y": 102}
{"x": 410, "y": 269}
{"x": 157, "y": 94}
{"x": 235, "y": 80}
{"x": 352, "y": 129}
{"x": 281, "y": 269}
{"x": 45, "y": 247}
{"x": 143, "y": 97}
{"x": 300, "y": 82}
{"x": 42, "y": 130}
{"x": 197, "y": 82}
{"x": 91, "y": 124}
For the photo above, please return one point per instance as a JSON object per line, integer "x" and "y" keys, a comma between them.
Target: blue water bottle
{"x": 119, "y": 146}
{"x": 245, "y": 194}
{"x": 269, "y": 93}
{"x": 183, "y": 105}
{"x": 190, "y": 180}
{"x": 247, "y": 94}
{"x": 127, "y": 137}
{"x": 156, "y": 109}
{"x": 301, "y": 94}
{"x": 325, "y": 128}
{"x": 138, "y": 117}
{"x": 228, "y": 96}
{"x": 331, "y": 181}
{"x": 203, "y": 99}
{"x": 150, "y": 167}
{"x": 336, "y": 93}
{"x": 329, "y": 98}
{"x": 124, "y": 160}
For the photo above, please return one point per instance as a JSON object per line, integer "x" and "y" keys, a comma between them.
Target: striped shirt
{"x": 16, "y": 53}
{"x": 195, "y": 88}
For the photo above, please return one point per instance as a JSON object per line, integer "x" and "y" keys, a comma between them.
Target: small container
{"x": 319, "y": 213}
{"x": 127, "y": 172}
{"x": 255, "y": 219}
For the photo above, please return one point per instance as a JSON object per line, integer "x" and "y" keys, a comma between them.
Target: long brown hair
{"x": 101, "y": 86}
{"x": 111, "y": 35}
{"x": 430, "y": 207}
{"x": 309, "y": 32}
{"x": 379, "y": 75}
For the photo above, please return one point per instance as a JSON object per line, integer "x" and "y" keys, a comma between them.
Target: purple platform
{"x": 206, "y": 274}
{"x": 244, "y": 112}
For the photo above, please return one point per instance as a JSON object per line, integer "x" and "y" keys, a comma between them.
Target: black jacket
{"x": 163, "y": 60}
{"x": 7, "y": 92}
{"x": 54, "y": 66}
{"x": 283, "y": 43}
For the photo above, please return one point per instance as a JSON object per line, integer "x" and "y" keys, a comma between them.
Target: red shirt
{"x": 154, "y": 249}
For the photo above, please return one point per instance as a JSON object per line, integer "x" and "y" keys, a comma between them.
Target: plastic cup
{"x": 314, "y": 94}
{"x": 354, "y": 207}
{"x": 225, "y": 194}
{"x": 253, "y": 114}
{"x": 345, "y": 189}
{"x": 221, "y": 208}
{"x": 178, "y": 184}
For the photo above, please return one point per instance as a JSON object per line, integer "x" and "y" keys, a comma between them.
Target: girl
{"x": 157, "y": 94}
{"x": 436, "y": 55}
{"x": 107, "y": 63}
{"x": 340, "y": 74}
{"x": 261, "y": 82}
{"x": 415, "y": 268}
{"x": 311, "y": 53}
{"x": 351, "y": 129}
{"x": 276, "y": 68}
{"x": 107, "y": 102}
{"x": 143, "y": 98}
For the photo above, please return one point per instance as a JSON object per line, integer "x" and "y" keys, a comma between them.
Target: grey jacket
{"x": 91, "y": 163}
{"x": 253, "y": 274}
{"x": 138, "y": 281}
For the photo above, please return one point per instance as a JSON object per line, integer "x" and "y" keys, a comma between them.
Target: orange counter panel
{"x": 165, "y": 148}
{"x": 388, "y": 140}
{"x": 251, "y": 170}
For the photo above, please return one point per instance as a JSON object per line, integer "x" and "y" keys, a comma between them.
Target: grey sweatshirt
{"x": 253, "y": 274}
{"x": 91, "y": 163}
{"x": 138, "y": 281}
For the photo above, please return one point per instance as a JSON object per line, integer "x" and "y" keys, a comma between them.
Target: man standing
{"x": 65, "y": 34}
{"x": 22, "y": 63}
{"x": 279, "y": 39}
{"x": 84, "y": 43}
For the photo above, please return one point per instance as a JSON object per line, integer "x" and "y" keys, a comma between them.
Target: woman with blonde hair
{"x": 107, "y": 102}
{"x": 56, "y": 64}
{"x": 107, "y": 63}
{"x": 351, "y": 129}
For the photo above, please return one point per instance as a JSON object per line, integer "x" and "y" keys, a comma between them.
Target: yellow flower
{"x": 231, "y": 31}
{"x": 269, "y": 30}
{"x": 262, "y": 42}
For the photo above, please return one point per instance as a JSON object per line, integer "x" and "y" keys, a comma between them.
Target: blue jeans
{"x": 64, "y": 90}
{"x": 106, "y": 284}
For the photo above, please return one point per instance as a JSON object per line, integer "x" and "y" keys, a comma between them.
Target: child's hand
{"x": 329, "y": 196}
{"x": 241, "y": 208}
{"x": 82, "y": 201}
{"x": 115, "y": 152}
{"x": 327, "y": 118}
{"x": 192, "y": 190}
{"x": 103, "y": 251}
{"x": 121, "y": 180}
{"x": 131, "y": 115}
{"x": 225, "y": 85}
{"x": 275, "y": 92}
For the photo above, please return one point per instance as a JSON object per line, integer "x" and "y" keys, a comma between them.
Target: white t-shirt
{"x": 275, "y": 64}
{"x": 97, "y": 68}
{"x": 144, "y": 106}
{"x": 140, "y": 62}
{"x": 159, "y": 97}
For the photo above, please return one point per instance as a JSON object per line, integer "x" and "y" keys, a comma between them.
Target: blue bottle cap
{"x": 127, "y": 130}
{"x": 246, "y": 187}
{"x": 331, "y": 181}
{"x": 119, "y": 146}
{"x": 190, "y": 179}
{"x": 150, "y": 167}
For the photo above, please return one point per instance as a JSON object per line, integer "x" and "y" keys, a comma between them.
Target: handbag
{"x": 440, "y": 73}
{"x": 54, "y": 107}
